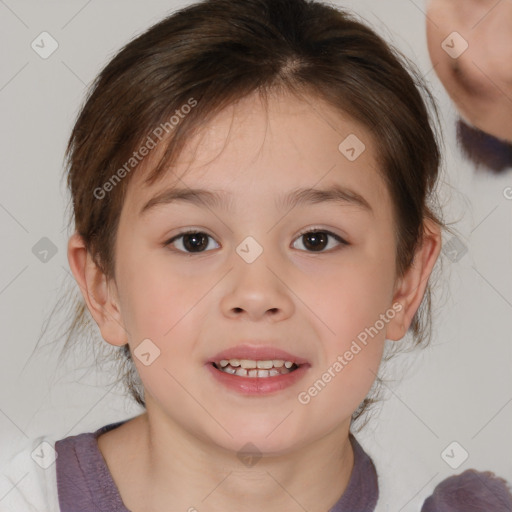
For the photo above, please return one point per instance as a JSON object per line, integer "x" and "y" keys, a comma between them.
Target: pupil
{"x": 203, "y": 241}
{"x": 318, "y": 239}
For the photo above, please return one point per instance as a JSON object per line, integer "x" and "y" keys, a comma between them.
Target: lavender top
{"x": 84, "y": 482}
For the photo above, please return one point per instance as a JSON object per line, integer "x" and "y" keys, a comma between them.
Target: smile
{"x": 255, "y": 369}
{"x": 254, "y": 380}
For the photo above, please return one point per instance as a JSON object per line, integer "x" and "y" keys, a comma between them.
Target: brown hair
{"x": 219, "y": 51}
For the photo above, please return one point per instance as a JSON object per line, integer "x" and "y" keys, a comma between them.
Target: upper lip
{"x": 257, "y": 353}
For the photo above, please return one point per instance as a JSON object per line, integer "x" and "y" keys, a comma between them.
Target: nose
{"x": 257, "y": 290}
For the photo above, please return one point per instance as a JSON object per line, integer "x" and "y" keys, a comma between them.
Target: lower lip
{"x": 258, "y": 385}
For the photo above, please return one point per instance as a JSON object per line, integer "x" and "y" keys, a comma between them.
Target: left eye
{"x": 316, "y": 240}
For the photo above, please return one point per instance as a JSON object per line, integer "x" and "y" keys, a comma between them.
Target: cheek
{"x": 163, "y": 308}
{"x": 158, "y": 300}
{"x": 354, "y": 312}
{"x": 358, "y": 319}
{"x": 357, "y": 310}
{"x": 355, "y": 293}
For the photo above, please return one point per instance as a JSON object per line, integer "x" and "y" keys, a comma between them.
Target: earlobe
{"x": 412, "y": 285}
{"x": 96, "y": 292}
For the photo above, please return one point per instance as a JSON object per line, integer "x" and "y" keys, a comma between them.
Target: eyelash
{"x": 302, "y": 233}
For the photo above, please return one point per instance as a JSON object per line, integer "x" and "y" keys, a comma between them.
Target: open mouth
{"x": 255, "y": 369}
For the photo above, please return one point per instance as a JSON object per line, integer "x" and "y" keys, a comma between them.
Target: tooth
{"x": 254, "y": 372}
{"x": 224, "y": 362}
{"x": 247, "y": 363}
{"x": 264, "y": 364}
{"x": 234, "y": 362}
{"x": 278, "y": 363}
{"x": 288, "y": 364}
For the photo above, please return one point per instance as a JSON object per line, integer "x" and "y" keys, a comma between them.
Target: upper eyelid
{"x": 319, "y": 229}
{"x": 303, "y": 232}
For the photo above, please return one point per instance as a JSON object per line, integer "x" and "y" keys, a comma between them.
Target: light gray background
{"x": 459, "y": 389}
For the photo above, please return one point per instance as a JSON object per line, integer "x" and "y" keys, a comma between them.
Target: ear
{"x": 410, "y": 288}
{"x": 100, "y": 295}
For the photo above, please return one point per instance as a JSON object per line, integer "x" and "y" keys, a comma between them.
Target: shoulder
{"x": 362, "y": 491}
{"x": 483, "y": 490}
{"x": 28, "y": 477}
{"x": 84, "y": 481}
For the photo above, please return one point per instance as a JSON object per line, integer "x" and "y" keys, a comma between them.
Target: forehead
{"x": 286, "y": 144}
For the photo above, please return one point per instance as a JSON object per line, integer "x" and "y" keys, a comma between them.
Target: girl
{"x": 253, "y": 190}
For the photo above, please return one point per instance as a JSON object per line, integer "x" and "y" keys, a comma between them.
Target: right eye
{"x": 191, "y": 241}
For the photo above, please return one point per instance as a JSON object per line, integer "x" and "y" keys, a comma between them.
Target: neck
{"x": 175, "y": 468}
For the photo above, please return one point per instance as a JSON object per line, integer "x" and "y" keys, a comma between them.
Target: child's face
{"x": 312, "y": 304}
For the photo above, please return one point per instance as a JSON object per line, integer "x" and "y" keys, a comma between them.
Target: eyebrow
{"x": 221, "y": 200}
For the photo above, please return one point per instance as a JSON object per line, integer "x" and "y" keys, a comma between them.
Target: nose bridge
{"x": 256, "y": 287}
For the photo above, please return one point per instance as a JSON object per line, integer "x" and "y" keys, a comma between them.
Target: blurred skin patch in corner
{"x": 483, "y": 149}
{"x": 470, "y": 47}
